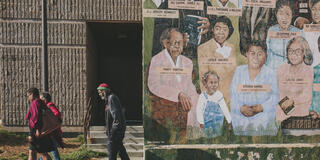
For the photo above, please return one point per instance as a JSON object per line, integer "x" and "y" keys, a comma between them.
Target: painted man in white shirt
{"x": 175, "y": 87}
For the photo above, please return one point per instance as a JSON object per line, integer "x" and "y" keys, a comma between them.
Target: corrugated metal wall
{"x": 20, "y": 69}
{"x": 73, "y": 9}
{"x": 20, "y": 52}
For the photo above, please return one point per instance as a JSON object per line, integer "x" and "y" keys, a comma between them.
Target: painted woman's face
{"x": 295, "y": 53}
{"x": 284, "y": 17}
{"x": 220, "y": 32}
{"x": 315, "y": 12}
{"x": 256, "y": 57}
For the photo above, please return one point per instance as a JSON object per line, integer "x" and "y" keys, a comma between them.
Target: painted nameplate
{"x": 185, "y": 4}
{"x": 296, "y": 81}
{"x": 253, "y": 88}
{"x": 283, "y": 35}
{"x": 172, "y": 71}
{"x": 160, "y": 13}
{"x": 311, "y": 27}
{"x": 224, "y": 11}
{"x": 216, "y": 61}
{"x": 259, "y": 3}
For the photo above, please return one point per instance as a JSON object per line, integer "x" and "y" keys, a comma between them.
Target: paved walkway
{"x": 134, "y": 158}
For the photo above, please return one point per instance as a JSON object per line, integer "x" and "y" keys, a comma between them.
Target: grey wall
{"x": 20, "y": 52}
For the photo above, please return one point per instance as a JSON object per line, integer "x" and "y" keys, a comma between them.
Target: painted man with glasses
{"x": 170, "y": 81}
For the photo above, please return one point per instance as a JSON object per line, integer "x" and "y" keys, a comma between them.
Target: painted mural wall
{"x": 231, "y": 72}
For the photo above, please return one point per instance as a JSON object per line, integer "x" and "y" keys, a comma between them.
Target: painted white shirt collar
{"x": 172, "y": 63}
{"x": 216, "y": 97}
{"x": 171, "y": 60}
{"x": 224, "y": 50}
{"x": 220, "y": 4}
{"x": 158, "y": 2}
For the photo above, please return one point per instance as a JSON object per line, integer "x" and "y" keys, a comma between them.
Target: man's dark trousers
{"x": 116, "y": 128}
{"x": 115, "y": 145}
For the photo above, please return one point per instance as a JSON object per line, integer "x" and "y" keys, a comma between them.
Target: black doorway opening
{"x": 114, "y": 56}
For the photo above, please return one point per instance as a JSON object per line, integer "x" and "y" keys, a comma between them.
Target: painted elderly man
{"x": 170, "y": 81}
{"x": 160, "y": 24}
{"x": 254, "y": 95}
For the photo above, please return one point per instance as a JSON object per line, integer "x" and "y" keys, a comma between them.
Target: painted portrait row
{"x": 251, "y": 74}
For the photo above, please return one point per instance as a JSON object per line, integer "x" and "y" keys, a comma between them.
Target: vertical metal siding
{"x": 20, "y": 33}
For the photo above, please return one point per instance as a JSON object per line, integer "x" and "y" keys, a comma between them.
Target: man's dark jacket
{"x": 115, "y": 119}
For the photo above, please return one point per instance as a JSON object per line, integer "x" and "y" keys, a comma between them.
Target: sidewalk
{"x": 134, "y": 158}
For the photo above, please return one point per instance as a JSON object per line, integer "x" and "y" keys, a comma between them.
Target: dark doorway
{"x": 114, "y": 56}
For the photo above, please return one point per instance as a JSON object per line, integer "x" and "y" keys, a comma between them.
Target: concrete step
{"x": 133, "y": 140}
{"x": 128, "y": 146}
{"x": 128, "y": 139}
{"x": 129, "y": 128}
{"x": 94, "y": 134}
{"x": 130, "y": 153}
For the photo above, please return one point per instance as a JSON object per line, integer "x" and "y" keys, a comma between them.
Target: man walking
{"x": 115, "y": 123}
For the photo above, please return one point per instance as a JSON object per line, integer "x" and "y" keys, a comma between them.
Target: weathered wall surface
{"x": 20, "y": 52}
{"x": 211, "y": 66}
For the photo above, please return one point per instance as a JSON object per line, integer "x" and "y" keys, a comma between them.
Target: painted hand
{"x": 229, "y": 126}
{"x": 185, "y": 101}
{"x": 247, "y": 111}
{"x": 185, "y": 39}
{"x": 300, "y": 21}
{"x": 257, "y": 108}
{"x": 205, "y": 25}
{"x": 313, "y": 114}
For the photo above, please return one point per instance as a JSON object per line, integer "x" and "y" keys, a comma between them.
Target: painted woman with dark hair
{"x": 254, "y": 95}
{"x": 315, "y": 11}
{"x": 218, "y": 55}
{"x": 295, "y": 80}
{"x": 277, "y": 46}
{"x": 312, "y": 36}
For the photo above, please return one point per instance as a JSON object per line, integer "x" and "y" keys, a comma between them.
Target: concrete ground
{"x": 134, "y": 158}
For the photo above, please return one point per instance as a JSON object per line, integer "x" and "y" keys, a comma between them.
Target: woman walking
{"x": 37, "y": 145}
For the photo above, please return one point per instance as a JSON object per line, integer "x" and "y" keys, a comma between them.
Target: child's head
{"x": 32, "y": 94}
{"x": 211, "y": 81}
{"x": 45, "y": 96}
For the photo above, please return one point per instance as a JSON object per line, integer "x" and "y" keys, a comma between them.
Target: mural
{"x": 229, "y": 71}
